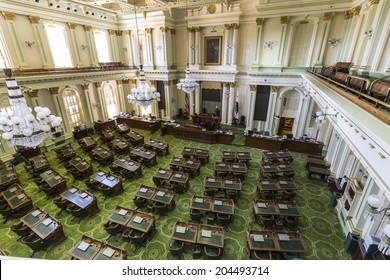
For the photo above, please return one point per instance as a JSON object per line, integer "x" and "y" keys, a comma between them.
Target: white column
{"x": 191, "y": 46}
{"x": 225, "y": 92}
{"x": 114, "y": 45}
{"x": 259, "y": 32}
{"x": 35, "y": 22}
{"x": 353, "y": 34}
{"x": 198, "y": 100}
{"x": 149, "y": 47}
{"x": 122, "y": 97}
{"x": 89, "y": 114}
{"x": 173, "y": 49}
{"x": 344, "y": 34}
{"x": 278, "y": 107}
{"x": 283, "y": 33}
{"x": 102, "y": 110}
{"x": 168, "y": 97}
{"x": 271, "y": 108}
{"x": 324, "y": 38}
{"x": 74, "y": 45}
{"x": 192, "y": 104}
{"x": 198, "y": 46}
{"x": 129, "y": 47}
{"x": 226, "y": 39}
{"x": 232, "y": 101}
{"x": 91, "y": 46}
{"x": 233, "y": 61}
{"x": 251, "y": 107}
{"x": 164, "y": 31}
{"x": 121, "y": 49}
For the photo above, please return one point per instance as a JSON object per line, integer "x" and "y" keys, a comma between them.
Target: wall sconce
{"x": 95, "y": 105}
{"x": 321, "y": 117}
{"x": 84, "y": 47}
{"x": 334, "y": 42}
{"x": 124, "y": 49}
{"x": 368, "y": 33}
{"x": 213, "y": 30}
{"x": 30, "y": 44}
{"x": 374, "y": 202}
{"x": 269, "y": 45}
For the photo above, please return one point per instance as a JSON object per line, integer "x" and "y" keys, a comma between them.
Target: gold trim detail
{"x": 8, "y": 15}
{"x": 284, "y": 20}
{"x": 260, "y": 21}
{"x": 72, "y": 25}
{"x": 329, "y": 16}
{"x": 34, "y": 20}
{"x": 212, "y": 9}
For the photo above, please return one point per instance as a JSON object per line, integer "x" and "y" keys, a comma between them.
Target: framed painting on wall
{"x": 213, "y": 50}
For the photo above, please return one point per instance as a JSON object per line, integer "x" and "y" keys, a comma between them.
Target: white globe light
{"x": 41, "y": 115}
{"x": 37, "y": 109}
{"x": 52, "y": 118}
{"x": 46, "y": 111}
{"x": 3, "y": 121}
{"x": 27, "y": 132}
{"x": 7, "y": 135}
{"x": 45, "y": 128}
{"x": 16, "y": 120}
{"x": 30, "y": 118}
{"x": 3, "y": 115}
{"x": 55, "y": 123}
{"x": 374, "y": 201}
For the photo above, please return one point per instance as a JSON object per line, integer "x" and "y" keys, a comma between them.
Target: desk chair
{"x": 139, "y": 201}
{"x": 261, "y": 255}
{"x": 137, "y": 238}
{"x": 223, "y": 219}
{"x": 161, "y": 208}
{"x": 75, "y": 211}
{"x": 6, "y": 211}
{"x": 112, "y": 228}
{"x": 33, "y": 241}
{"x": 292, "y": 256}
{"x": 61, "y": 203}
{"x": 232, "y": 194}
{"x": 91, "y": 183}
{"x": 21, "y": 229}
{"x": 267, "y": 221}
{"x": 196, "y": 251}
{"x": 210, "y": 218}
{"x": 212, "y": 253}
{"x": 289, "y": 195}
{"x": 179, "y": 188}
{"x": 291, "y": 222}
{"x": 267, "y": 195}
{"x": 176, "y": 248}
{"x": 195, "y": 215}
{"x": 209, "y": 192}
{"x": 2, "y": 200}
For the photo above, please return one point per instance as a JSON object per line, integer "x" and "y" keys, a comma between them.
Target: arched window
{"x": 72, "y": 107}
{"x": 59, "y": 45}
{"x": 111, "y": 100}
{"x": 103, "y": 50}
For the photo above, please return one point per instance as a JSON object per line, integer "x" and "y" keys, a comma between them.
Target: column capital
{"x": 356, "y": 11}
{"x": 228, "y": 26}
{"x": 33, "y": 93}
{"x": 164, "y": 29}
{"x": 126, "y": 32}
{"x": 173, "y": 31}
{"x": 119, "y": 82}
{"x": 87, "y": 28}
{"x": 98, "y": 84}
{"x": 260, "y": 21}
{"x": 196, "y": 28}
{"x": 34, "y": 20}
{"x": 53, "y": 90}
{"x": 111, "y": 32}
{"x": 284, "y": 19}
{"x": 190, "y": 29}
{"x": 85, "y": 86}
{"x": 372, "y": 2}
{"x": 167, "y": 83}
{"x": 329, "y": 16}
{"x": 348, "y": 15}
{"x": 274, "y": 88}
{"x": 236, "y": 26}
{"x": 72, "y": 25}
{"x": 253, "y": 87}
{"x": 8, "y": 15}
{"x": 118, "y": 32}
{"x": 152, "y": 82}
{"x": 148, "y": 30}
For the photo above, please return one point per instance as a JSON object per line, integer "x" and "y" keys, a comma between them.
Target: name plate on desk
{"x": 217, "y": 202}
{"x": 187, "y": 150}
{"x": 265, "y": 182}
{"x": 148, "y": 153}
{"x": 178, "y": 175}
{"x": 283, "y": 182}
{"x": 228, "y": 182}
{"x": 222, "y": 164}
{"x": 143, "y": 190}
{"x": 49, "y": 172}
{"x": 227, "y": 154}
{"x": 122, "y": 160}
{"x": 282, "y": 166}
{"x": 180, "y": 229}
{"x": 211, "y": 180}
{"x": 162, "y": 171}
{"x": 283, "y": 237}
{"x": 176, "y": 159}
{"x": 235, "y": 166}
{"x": 131, "y": 163}
{"x": 21, "y": 196}
{"x": 261, "y": 205}
{"x": 100, "y": 173}
{"x": 47, "y": 221}
{"x": 11, "y": 190}
{"x": 190, "y": 162}
{"x": 108, "y": 252}
{"x": 206, "y": 233}
{"x": 138, "y": 219}
{"x": 83, "y": 195}
{"x": 241, "y": 154}
{"x": 122, "y": 212}
{"x": 83, "y": 246}
{"x": 258, "y": 238}
{"x": 36, "y": 213}
{"x": 73, "y": 190}
{"x": 199, "y": 200}
{"x": 57, "y": 177}
{"x": 77, "y": 159}
{"x": 111, "y": 178}
{"x": 283, "y": 206}
{"x": 267, "y": 167}
{"x": 161, "y": 194}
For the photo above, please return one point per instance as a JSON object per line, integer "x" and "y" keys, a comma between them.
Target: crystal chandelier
{"x": 187, "y": 85}
{"x": 143, "y": 95}
{"x": 20, "y": 127}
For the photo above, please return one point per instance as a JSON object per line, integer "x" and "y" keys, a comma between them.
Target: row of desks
{"x": 8, "y": 177}
{"x": 230, "y": 169}
{"x": 191, "y": 166}
{"x": 275, "y": 208}
{"x": 214, "y": 205}
{"x": 170, "y": 177}
{"x": 156, "y": 195}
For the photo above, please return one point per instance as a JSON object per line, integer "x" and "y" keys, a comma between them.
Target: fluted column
{"x": 149, "y": 61}
{"x": 232, "y": 101}
{"x": 198, "y": 99}
{"x": 128, "y": 48}
{"x": 225, "y": 93}
{"x": 251, "y": 106}
{"x": 344, "y": 34}
{"x": 56, "y": 100}
{"x": 122, "y": 50}
{"x": 35, "y": 22}
{"x": 89, "y": 114}
{"x": 271, "y": 108}
{"x": 198, "y": 46}
{"x": 168, "y": 97}
{"x": 283, "y": 34}
{"x": 154, "y": 107}
{"x": 11, "y": 26}
{"x": 259, "y": 33}
{"x": 226, "y": 45}
{"x": 191, "y": 46}
{"x": 74, "y": 45}
{"x": 114, "y": 45}
{"x": 165, "y": 47}
{"x": 324, "y": 38}
{"x": 234, "y": 43}
{"x": 173, "y": 48}
{"x": 135, "y": 107}
{"x": 122, "y": 98}
{"x": 192, "y": 104}
{"x": 353, "y": 34}
{"x": 102, "y": 109}
{"x": 91, "y": 46}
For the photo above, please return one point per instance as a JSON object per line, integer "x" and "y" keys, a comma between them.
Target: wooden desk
{"x": 40, "y": 163}
{"x": 8, "y": 178}
{"x": 185, "y": 232}
{"x": 266, "y": 143}
{"x": 201, "y": 203}
{"x": 122, "y": 128}
{"x": 79, "y": 134}
{"x": 290, "y": 241}
{"x": 160, "y": 148}
{"x": 164, "y": 197}
{"x": 276, "y": 208}
{"x": 276, "y": 185}
{"x": 129, "y": 166}
{"x": 161, "y": 177}
{"x": 82, "y": 199}
{"x": 119, "y": 146}
{"x": 66, "y": 152}
{"x": 200, "y": 154}
{"x": 80, "y": 166}
{"x": 54, "y": 182}
{"x": 179, "y": 180}
{"x": 121, "y": 215}
{"x": 267, "y": 171}
{"x": 230, "y": 169}
{"x": 300, "y": 146}
{"x": 204, "y": 119}
{"x": 267, "y": 244}
{"x": 110, "y": 181}
{"x": 87, "y": 143}
{"x": 323, "y": 172}
{"x": 284, "y": 155}
{"x": 145, "y": 192}
{"x": 17, "y": 200}
{"x": 135, "y": 138}
{"x": 102, "y": 155}
{"x": 106, "y": 135}
{"x": 144, "y": 156}
{"x": 100, "y": 126}
{"x": 231, "y": 156}
{"x": 190, "y": 166}
{"x": 211, "y": 236}
{"x": 146, "y": 225}
{"x": 316, "y": 162}
{"x": 141, "y": 123}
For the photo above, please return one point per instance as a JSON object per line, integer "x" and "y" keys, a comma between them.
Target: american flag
{"x": 236, "y": 112}
{"x": 187, "y": 104}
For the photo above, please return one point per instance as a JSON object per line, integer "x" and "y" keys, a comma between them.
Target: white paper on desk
{"x": 99, "y": 149}
{"x": 283, "y": 182}
{"x": 137, "y": 150}
{"x": 122, "y": 160}
{"x": 180, "y": 229}
{"x": 57, "y": 177}
{"x": 228, "y": 182}
{"x": 267, "y": 167}
{"x": 160, "y": 194}
{"x": 199, "y": 151}
{"x": 148, "y": 153}
{"x": 36, "y": 213}
{"x": 108, "y": 252}
{"x": 261, "y": 205}
{"x": 162, "y": 171}
{"x": 122, "y": 212}
{"x": 21, "y": 196}
{"x": 211, "y": 180}
{"x": 206, "y": 233}
{"x": 101, "y": 173}
{"x": 83, "y": 195}
{"x": 199, "y": 200}
{"x": 265, "y": 182}
{"x": 131, "y": 163}
{"x": 12, "y": 189}
{"x": 282, "y": 206}
{"x": 241, "y": 154}
{"x": 258, "y": 238}
{"x": 283, "y": 236}
{"x": 178, "y": 175}
{"x": 222, "y": 164}
{"x": 138, "y": 219}
{"x": 104, "y": 153}
{"x": 49, "y": 171}
{"x": 111, "y": 178}
{"x": 161, "y": 144}
{"x": 217, "y": 202}
{"x": 143, "y": 190}
{"x": 282, "y": 166}
{"x": 47, "y": 221}
{"x": 190, "y": 162}
{"x": 176, "y": 159}
{"x": 187, "y": 150}
{"x": 235, "y": 166}
{"x": 83, "y": 246}
{"x": 83, "y": 163}
{"x": 226, "y": 154}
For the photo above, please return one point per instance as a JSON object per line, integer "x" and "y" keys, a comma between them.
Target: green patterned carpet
{"x": 319, "y": 227}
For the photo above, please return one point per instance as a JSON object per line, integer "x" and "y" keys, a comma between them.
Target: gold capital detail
{"x": 173, "y": 31}
{"x": 9, "y": 15}
{"x": 329, "y": 16}
{"x": 33, "y": 93}
{"x": 348, "y": 15}
{"x": 125, "y": 32}
{"x": 164, "y": 29}
{"x": 196, "y": 28}
{"x": 148, "y": 30}
{"x": 53, "y": 90}
{"x": 253, "y": 87}
{"x": 111, "y": 32}
{"x": 228, "y": 26}
{"x": 235, "y": 25}
{"x": 284, "y": 20}
{"x": 118, "y": 32}
{"x": 71, "y": 25}
{"x": 190, "y": 29}
{"x": 87, "y": 28}
{"x": 260, "y": 21}
{"x": 274, "y": 88}
{"x": 373, "y": 2}
{"x": 98, "y": 84}
{"x": 119, "y": 82}
{"x": 167, "y": 83}
{"x": 34, "y": 20}
{"x": 85, "y": 86}
{"x": 356, "y": 11}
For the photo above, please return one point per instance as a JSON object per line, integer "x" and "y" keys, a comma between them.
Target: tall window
{"x": 72, "y": 107}
{"x": 4, "y": 61}
{"x": 303, "y": 32}
{"x": 103, "y": 51}
{"x": 111, "y": 100}
{"x": 58, "y": 45}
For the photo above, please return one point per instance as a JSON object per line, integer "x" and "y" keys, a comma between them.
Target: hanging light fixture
{"x": 187, "y": 84}
{"x": 143, "y": 95}
{"x": 20, "y": 127}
